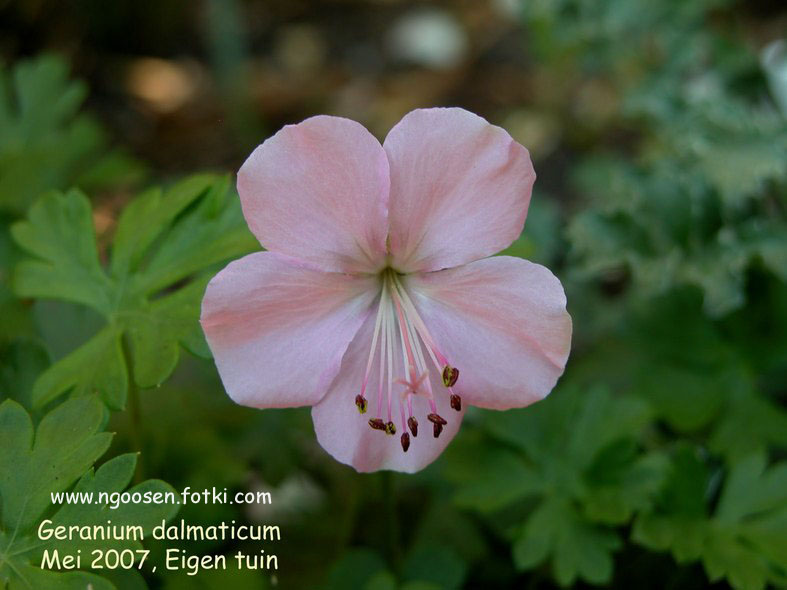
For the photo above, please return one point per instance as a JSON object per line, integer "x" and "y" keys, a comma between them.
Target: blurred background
{"x": 658, "y": 130}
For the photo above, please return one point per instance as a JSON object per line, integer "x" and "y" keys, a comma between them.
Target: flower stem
{"x": 391, "y": 522}
{"x": 134, "y": 413}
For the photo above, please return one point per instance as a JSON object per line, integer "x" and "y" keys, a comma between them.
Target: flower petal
{"x": 278, "y": 329}
{"x": 502, "y": 322}
{"x": 460, "y": 189}
{"x": 319, "y": 191}
{"x": 346, "y": 435}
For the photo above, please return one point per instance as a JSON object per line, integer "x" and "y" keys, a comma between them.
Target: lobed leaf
{"x": 149, "y": 295}
{"x": 35, "y": 463}
{"x": 45, "y": 143}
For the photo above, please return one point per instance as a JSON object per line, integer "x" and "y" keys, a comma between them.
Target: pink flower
{"x": 375, "y": 294}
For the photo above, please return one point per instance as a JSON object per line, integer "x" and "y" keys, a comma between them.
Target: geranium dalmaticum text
{"x": 180, "y": 531}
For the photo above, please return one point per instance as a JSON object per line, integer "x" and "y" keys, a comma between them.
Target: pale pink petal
{"x": 346, "y": 434}
{"x": 278, "y": 329}
{"x": 502, "y": 322}
{"x": 319, "y": 191}
{"x": 460, "y": 189}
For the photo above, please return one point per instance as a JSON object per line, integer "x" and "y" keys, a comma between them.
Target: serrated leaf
{"x": 149, "y": 296}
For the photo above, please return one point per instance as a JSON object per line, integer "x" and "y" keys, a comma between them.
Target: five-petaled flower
{"x": 376, "y": 303}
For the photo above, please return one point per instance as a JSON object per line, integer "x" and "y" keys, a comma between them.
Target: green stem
{"x": 135, "y": 415}
{"x": 391, "y": 521}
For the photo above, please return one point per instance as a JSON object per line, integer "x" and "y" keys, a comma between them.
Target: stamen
{"x": 438, "y": 422}
{"x": 405, "y": 441}
{"x": 383, "y": 344}
{"x": 413, "y": 424}
{"x": 407, "y": 350}
{"x": 396, "y": 311}
{"x": 389, "y": 341}
{"x": 420, "y": 363}
{"x": 431, "y": 347}
{"x": 450, "y": 375}
{"x": 360, "y": 400}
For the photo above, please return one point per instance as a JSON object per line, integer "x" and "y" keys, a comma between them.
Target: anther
{"x": 361, "y": 402}
{"x": 456, "y": 402}
{"x": 438, "y": 428}
{"x": 405, "y": 441}
{"x": 413, "y": 424}
{"x": 390, "y": 428}
{"x": 377, "y": 424}
{"x": 450, "y": 375}
{"x": 437, "y": 419}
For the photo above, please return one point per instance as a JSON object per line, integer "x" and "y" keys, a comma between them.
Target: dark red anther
{"x": 377, "y": 423}
{"x": 390, "y": 428}
{"x": 437, "y": 419}
{"x": 361, "y": 402}
{"x": 450, "y": 375}
{"x": 405, "y": 441}
{"x": 413, "y": 424}
{"x": 438, "y": 428}
{"x": 456, "y": 402}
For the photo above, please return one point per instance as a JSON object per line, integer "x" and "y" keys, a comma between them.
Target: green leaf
{"x": 95, "y": 367}
{"x": 165, "y": 247}
{"x": 576, "y": 457}
{"x": 66, "y": 444}
{"x": 621, "y": 482}
{"x": 690, "y": 374}
{"x": 354, "y": 569}
{"x": 742, "y": 540}
{"x": 59, "y": 233}
{"x": 577, "y": 549}
{"x": 22, "y": 362}
{"x": 750, "y": 423}
{"x": 437, "y": 565}
{"x": 45, "y": 143}
{"x": 491, "y": 479}
{"x": 737, "y": 148}
{"x": 237, "y": 579}
{"x": 35, "y": 464}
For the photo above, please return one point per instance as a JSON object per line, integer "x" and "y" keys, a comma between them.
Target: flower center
{"x": 397, "y": 319}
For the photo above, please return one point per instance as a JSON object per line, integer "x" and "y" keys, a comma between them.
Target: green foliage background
{"x": 658, "y": 461}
